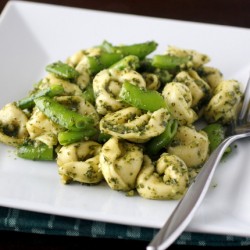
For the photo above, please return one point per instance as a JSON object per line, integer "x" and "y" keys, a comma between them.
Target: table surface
{"x": 224, "y": 12}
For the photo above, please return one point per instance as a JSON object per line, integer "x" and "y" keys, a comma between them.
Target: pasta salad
{"x": 115, "y": 114}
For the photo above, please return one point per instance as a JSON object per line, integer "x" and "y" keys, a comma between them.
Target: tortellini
{"x": 80, "y": 162}
{"x": 179, "y": 98}
{"x": 79, "y": 56}
{"x": 198, "y": 87}
{"x": 152, "y": 81}
{"x": 80, "y": 62}
{"x": 107, "y": 85}
{"x": 167, "y": 179}
{"x": 134, "y": 125}
{"x": 196, "y": 59}
{"x": 211, "y": 75}
{"x": 224, "y": 103}
{"x": 69, "y": 88}
{"x": 120, "y": 163}
{"x": 42, "y": 129}
{"x": 13, "y": 121}
{"x": 190, "y": 145}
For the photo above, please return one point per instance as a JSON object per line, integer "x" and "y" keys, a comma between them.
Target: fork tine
{"x": 245, "y": 106}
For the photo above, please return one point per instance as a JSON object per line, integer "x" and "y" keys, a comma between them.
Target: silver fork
{"x": 187, "y": 206}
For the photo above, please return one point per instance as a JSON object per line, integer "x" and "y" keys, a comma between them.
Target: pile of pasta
{"x": 116, "y": 114}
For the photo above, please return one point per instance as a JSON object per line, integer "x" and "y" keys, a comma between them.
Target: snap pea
{"x": 128, "y": 62}
{"x": 216, "y": 134}
{"x": 140, "y": 49}
{"x": 107, "y": 47}
{"x": 88, "y": 94}
{"x": 68, "y": 137}
{"x": 51, "y": 91}
{"x": 102, "y": 61}
{"x": 62, "y": 70}
{"x": 161, "y": 141}
{"x": 169, "y": 62}
{"x": 62, "y": 115}
{"x": 36, "y": 151}
{"x": 144, "y": 99}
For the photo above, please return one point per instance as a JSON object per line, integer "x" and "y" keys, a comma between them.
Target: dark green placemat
{"x": 40, "y": 223}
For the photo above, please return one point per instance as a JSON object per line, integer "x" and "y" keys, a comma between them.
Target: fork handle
{"x": 185, "y": 209}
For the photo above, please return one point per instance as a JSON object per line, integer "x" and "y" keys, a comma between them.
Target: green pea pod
{"x": 36, "y": 151}
{"x": 128, "y": 62}
{"x": 68, "y": 137}
{"x": 51, "y": 91}
{"x": 62, "y": 70}
{"x": 102, "y": 61}
{"x": 161, "y": 141}
{"x": 107, "y": 47}
{"x": 63, "y": 116}
{"x": 144, "y": 99}
{"x": 216, "y": 134}
{"x": 88, "y": 94}
{"x": 140, "y": 50}
{"x": 169, "y": 62}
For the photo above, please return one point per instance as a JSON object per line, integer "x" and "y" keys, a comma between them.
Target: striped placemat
{"x": 40, "y": 223}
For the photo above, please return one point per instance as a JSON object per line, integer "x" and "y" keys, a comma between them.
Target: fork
{"x": 187, "y": 206}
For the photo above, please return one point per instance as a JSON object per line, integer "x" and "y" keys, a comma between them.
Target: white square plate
{"x": 33, "y": 35}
